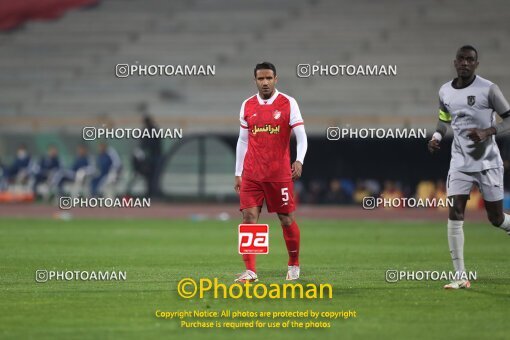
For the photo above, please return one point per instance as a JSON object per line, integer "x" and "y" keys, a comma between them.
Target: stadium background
{"x": 57, "y": 75}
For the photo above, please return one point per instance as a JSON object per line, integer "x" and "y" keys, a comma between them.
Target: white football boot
{"x": 458, "y": 284}
{"x": 292, "y": 273}
{"x": 247, "y": 276}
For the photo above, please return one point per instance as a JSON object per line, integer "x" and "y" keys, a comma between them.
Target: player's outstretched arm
{"x": 441, "y": 129}
{"x": 302, "y": 146}
{"x": 241, "y": 149}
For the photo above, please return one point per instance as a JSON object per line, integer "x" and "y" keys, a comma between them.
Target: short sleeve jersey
{"x": 473, "y": 106}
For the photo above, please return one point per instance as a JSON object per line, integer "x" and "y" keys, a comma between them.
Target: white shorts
{"x": 490, "y": 183}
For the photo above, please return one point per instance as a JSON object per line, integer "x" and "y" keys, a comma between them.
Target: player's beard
{"x": 266, "y": 93}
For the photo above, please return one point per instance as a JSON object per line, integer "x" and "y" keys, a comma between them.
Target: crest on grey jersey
{"x": 471, "y": 100}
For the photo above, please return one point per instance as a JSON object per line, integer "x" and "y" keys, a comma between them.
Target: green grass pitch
{"x": 350, "y": 255}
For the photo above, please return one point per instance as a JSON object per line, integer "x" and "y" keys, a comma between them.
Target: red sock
{"x": 249, "y": 261}
{"x": 291, "y": 235}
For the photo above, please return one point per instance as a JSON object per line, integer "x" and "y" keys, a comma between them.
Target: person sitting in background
{"x": 475, "y": 200}
{"x": 440, "y": 190}
{"x": 440, "y": 193}
{"x": 18, "y": 170}
{"x": 81, "y": 168}
{"x": 337, "y": 194}
{"x": 361, "y": 192}
{"x": 391, "y": 191}
{"x": 425, "y": 190}
{"x": 348, "y": 187}
{"x": 299, "y": 191}
{"x": 315, "y": 192}
{"x": 46, "y": 168}
{"x": 108, "y": 167}
{"x": 373, "y": 187}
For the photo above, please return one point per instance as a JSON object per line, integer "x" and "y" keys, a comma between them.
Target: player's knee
{"x": 249, "y": 217}
{"x": 496, "y": 219}
{"x": 286, "y": 220}
{"x": 456, "y": 215}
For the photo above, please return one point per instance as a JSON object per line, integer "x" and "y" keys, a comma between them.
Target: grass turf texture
{"x": 156, "y": 254}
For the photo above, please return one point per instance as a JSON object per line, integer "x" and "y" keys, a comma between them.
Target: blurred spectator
{"x": 43, "y": 171}
{"x": 108, "y": 169}
{"x": 440, "y": 189}
{"x": 425, "y": 189}
{"x": 146, "y": 158}
{"x": 361, "y": 192}
{"x": 18, "y": 171}
{"x": 81, "y": 168}
{"x": 391, "y": 190}
{"x": 348, "y": 187}
{"x": 316, "y": 191}
{"x": 475, "y": 199}
{"x": 440, "y": 192}
{"x": 337, "y": 194}
{"x": 299, "y": 192}
{"x": 373, "y": 187}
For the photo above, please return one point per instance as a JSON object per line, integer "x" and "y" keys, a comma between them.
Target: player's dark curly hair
{"x": 265, "y": 65}
{"x": 468, "y": 48}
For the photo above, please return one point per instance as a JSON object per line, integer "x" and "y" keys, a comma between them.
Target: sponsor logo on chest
{"x": 268, "y": 128}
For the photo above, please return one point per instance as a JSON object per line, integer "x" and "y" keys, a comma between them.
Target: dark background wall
{"x": 405, "y": 160}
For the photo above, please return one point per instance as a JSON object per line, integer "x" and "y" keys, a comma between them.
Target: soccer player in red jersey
{"x": 263, "y": 168}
